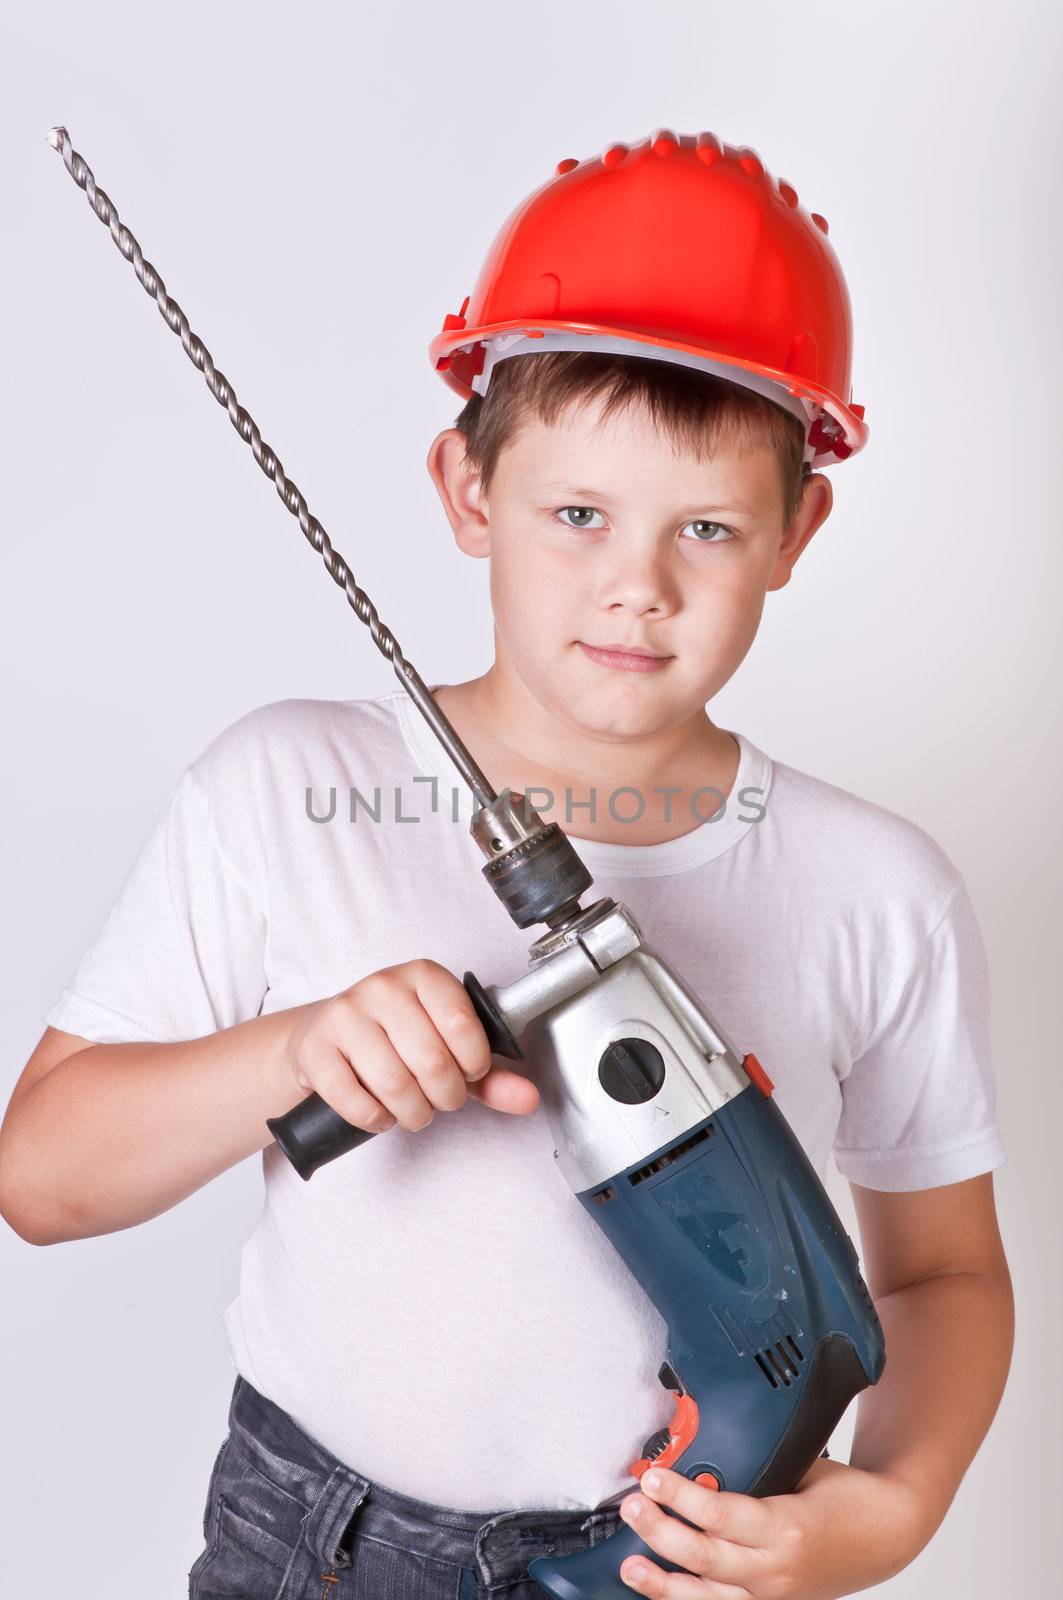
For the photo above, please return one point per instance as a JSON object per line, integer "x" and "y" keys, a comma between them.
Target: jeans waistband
{"x": 499, "y": 1543}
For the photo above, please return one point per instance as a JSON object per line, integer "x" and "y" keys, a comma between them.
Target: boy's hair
{"x": 696, "y": 410}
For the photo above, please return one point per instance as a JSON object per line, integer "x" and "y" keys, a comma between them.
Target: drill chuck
{"x": 532, "y": 865}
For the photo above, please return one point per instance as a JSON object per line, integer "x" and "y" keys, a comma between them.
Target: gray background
{"x": 318, "y": 186}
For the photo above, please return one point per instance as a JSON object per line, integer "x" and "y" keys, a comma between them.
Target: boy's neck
{"x": 520, "y": 745}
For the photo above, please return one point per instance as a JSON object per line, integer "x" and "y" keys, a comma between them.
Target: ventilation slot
{"x": 780, "y": 1362}
{"x": 701, "y": 1137}
{"x": 603, "y": 1195}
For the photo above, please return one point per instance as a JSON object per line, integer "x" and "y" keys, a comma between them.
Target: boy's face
{"x": 601, "y": 535}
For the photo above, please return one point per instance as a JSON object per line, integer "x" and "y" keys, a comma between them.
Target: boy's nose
{"x": 640, "y": 584}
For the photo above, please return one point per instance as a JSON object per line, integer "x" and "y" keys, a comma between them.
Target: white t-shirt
{"x": 436, "y": 1307}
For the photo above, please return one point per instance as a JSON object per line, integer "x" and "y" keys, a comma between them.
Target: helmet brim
{"x": 854, "y": 430}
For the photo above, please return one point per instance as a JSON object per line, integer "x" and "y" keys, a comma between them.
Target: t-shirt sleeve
{"x": 919, "y": 1105}
{"x": 182, "y": 950}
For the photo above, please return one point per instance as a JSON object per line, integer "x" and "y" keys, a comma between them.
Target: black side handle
{"x": 312, "y": 1134}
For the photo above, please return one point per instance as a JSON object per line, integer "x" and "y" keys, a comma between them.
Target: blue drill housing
{"x": 771, "y": 1329}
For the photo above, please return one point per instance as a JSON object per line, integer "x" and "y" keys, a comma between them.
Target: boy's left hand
{"x": 841, "y": 1530}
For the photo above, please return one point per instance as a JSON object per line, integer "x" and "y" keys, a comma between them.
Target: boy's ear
{"x": 813, "y": 511}
{"x": 459, "y": 488}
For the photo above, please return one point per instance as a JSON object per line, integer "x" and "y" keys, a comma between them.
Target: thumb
{"x": 505, "y": 1090}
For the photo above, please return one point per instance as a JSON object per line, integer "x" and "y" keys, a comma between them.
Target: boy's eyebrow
{"x": 582, "y": 496}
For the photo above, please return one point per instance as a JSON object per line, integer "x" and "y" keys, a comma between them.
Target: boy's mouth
{"x": 629, "y": 658}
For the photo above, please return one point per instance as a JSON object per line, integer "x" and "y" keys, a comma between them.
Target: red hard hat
{"x": 677, "y": 248}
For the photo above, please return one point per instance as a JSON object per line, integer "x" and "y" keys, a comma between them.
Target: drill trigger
{"x": 665, "y": 1446}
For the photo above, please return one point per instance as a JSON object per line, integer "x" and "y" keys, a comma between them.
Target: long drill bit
{"x": 268, "y": 460}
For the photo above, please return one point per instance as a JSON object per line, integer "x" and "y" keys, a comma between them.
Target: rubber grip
{"x": 311, "y": 1134}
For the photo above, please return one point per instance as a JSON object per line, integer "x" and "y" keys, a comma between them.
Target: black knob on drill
{"x": 631, "y": 1071}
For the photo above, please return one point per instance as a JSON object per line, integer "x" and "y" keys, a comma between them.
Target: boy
{"x": 432, "y": 1327}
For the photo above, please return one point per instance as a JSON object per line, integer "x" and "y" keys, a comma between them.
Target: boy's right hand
{"x": 398, "y": 1046}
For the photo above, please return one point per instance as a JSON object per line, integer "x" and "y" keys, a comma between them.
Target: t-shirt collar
{"x": 743, "y": 809}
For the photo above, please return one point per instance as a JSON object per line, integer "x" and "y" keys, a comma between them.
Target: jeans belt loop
{"x": 601, "y": 1524}
{"x": 330, "y": 1515}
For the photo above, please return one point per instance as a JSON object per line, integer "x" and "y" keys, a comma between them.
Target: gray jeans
{"x": 286, "y": 1521}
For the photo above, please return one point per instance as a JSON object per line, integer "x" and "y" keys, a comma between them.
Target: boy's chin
{"x": 624, "y": 710}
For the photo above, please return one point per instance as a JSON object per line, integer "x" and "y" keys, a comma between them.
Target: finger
{"x": 690, "y": 1548}
{"x": 448, "y": 1005}
{"x": 739, "y": 1518}
{"x": 328, "y": 1072}
{"x": 504, "y": 1090}
{"x": 381, "y": 1070}
{"x": 419, "y": 1044}
{"x": 645, "y": 1577}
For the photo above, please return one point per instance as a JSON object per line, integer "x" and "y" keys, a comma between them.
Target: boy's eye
{"x": 709, "y": 532}
{"x": 580, "y": 516}
{"x": 706, "y": 532}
